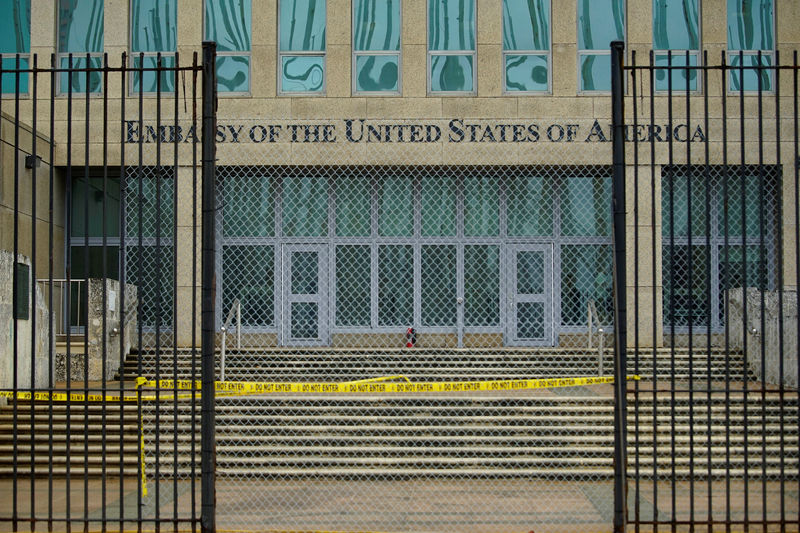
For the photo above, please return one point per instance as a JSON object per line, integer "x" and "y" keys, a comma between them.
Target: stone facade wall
{"x": 31, "y": 354}
{"x": 104, "y": 351}
{"x": 767, "y": 339}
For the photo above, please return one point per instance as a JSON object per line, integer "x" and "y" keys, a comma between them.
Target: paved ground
{"x": 419, "y": 506}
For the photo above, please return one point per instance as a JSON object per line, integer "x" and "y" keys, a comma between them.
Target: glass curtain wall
{"x": 405, "y": 247}
{"x": 15, "y": 38}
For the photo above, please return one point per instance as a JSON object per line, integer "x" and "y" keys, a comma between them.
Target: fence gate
{"x": 105, "y": 158}
{"x": 710, "y": 161}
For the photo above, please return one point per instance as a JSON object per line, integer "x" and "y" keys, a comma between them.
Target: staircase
{"x": 557, "y": 434}
{"x": 435, "y": 365}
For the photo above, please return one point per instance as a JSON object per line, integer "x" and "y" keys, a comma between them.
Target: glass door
{"x": 530, "y": 298}
{"x": 305, "y": 313}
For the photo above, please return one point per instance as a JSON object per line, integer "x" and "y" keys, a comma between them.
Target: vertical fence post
{"x": 208, "y": 446}
{"x": 620, "y": 318}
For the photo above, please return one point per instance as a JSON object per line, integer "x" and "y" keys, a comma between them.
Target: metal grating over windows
{"x": 723, "y": 219}
{"x": 149, "y": 259}
{"x": 365, "y": 252}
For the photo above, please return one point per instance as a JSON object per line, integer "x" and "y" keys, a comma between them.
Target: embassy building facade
{"x": 442, "y": 165}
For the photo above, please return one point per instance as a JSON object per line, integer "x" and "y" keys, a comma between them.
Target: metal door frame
{"x": 287, "y": 297}
{"x": 514, "y": 296}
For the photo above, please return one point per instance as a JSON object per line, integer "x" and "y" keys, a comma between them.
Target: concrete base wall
{"x": 32, "y": 355}
{"x": 105, "y": 355}
{"x": 780, "y": 362}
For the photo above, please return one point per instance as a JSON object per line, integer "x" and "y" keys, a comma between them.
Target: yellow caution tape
{"x": 381, "y": 385}
{"x": 373, "y": 385}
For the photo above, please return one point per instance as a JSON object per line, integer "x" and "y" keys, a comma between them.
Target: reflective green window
{"x": 526, "y": 45}
{"x": 481, "y": 206}
{"x": 395, "y": 285}
{"x": 155, "y": 204}
{"x": 481, "y": 285}
{"x": 228, "y": 22}
{"x": 751, "y": 30}
{"x": 80, "y": 32}
{"x": 376, "y": 45}
{"x": 249, "y": 276}
{"x": 675, "y": 201}
{"x": 438, "y": 199}
{"x": 353, "y": 285}
{"x": 305, "y": 206}
{"x": 302, "y": 45}
{"x": 395, "y": 207}
{"x": 439, "y": 285}
{"x": 586, "y": 207}
{"x": 451, "y": 45}
{"x": 599, "y": 23}
{"x": 676, "y": 27}
{"x": 97, "y": 208}
{"x": 452, "y": 73}
{"x": 15, "y": 38}
{"x": 153, "y": 31}
{"x": 585, "y": 275}
{"x": 530, "y": 206}
{"x": 353, "y": 198}
{"x": 249, "y": 206}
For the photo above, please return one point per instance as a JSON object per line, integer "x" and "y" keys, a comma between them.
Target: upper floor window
{"x": 451, "y": 46}
{"x": 526, "y": 45}
{"x": 80, "y": 33}
{"x": 376, "y": 46}
{"x": 153, "y": 32}
{"x": 751, "y": 29}
{"x": 228, "y": 23}
{"x": 599, "y": 23}
{"x": 15, "y": 38}
{"x": 302, "y": 45}
{"x": 676, "y": 29}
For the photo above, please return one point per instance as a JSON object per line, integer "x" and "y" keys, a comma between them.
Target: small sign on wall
{"x": 22, "y": 274}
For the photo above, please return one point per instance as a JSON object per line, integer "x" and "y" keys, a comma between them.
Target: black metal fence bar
{"x": 721, "y": 302}
{"x": 63, "y": 449}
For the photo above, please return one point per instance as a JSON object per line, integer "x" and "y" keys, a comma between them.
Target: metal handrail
{"x": 60, "y": 310}
{"x": 593, "y": 318}
{"x": 236, "y": 306}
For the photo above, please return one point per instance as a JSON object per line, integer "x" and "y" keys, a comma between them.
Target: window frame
{"x": 585, "y": 52}
{"x": 357, "y": 53}
{"x": 135, "y": 55}
{"x": 548, "y": 53}
{"x": 679, "y": 52}
{"x": 466, "y": 53}
{"x": 315, "y": 53}
{"x": 731, "y": 54}
{"x": 60, "y": 56}
{"x": 248, "y": 54}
